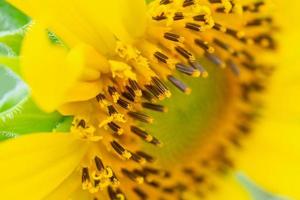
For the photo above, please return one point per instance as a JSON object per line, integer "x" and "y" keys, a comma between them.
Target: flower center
{"x": 140, "y": 75}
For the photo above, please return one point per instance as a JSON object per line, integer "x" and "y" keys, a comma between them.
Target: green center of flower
{"x": 189, "y": 117}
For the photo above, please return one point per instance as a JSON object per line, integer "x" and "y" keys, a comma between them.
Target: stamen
{"x": 85, "y": 175}
{"x": 154, "y": 107}
{"x": 200, "y": 18}
{"x": 137, "y": 158}
{"x": 140, "y": 117}
{"x": 161, "y": 57}
{"x": 120, "y": 150}
{"x": 115, "y": 194}
{"x": 124, "y": 104}
{"x": 187, "y": 3}
{"x": 173, "y": 37}
{"x": 112, "y": 110}
{"x": 204, "y": 45}
{"x": 216, "y": 60}
{"x": 215, "y": 1}
{"x": 130, "y": 90}
{"x": 81, "y": 124}
{"x": 180, "y": 85}
{"x": 165, "y": 2}
{"x": 113, "y": 92}
{"x": 100, "y": 97}
{"x": 235, "y": 33}
{"x": 153, "y": 184}
{"x": 193, "y": 26}
{"x": 134, "y": 85}
{"x": 160, "y": 17}
{"x": 187, "y": 70}
{"x": 178, "y": 16}
{"x": 148, "y": 96}
{"x": 155, "y": 91}
{"x": 146, "y": 156}
{"x": 199, "y": 67}
{"x": 253, "y": 7}
{"x": 99, "y": 164}
{"x": 259, "y": 21}
{"x": 234, "y": 67}
{"x": 116, "y": 128}
{"x": 220, "y": 27}
{"x": 140, "y": 193}
{"x": 186, "y": 54}
{"x": 128, "y": 96}
{"x": 136, "y": 178}
{"x": 145, "y": 136}
{"x": 162, "y": 87}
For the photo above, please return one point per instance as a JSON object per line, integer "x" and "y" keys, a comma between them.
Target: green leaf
{"x": 13, "y": 39}
{"x": 8, "y": 58}
{"x": 11, "y": 18}
{"x": 12, "y": 29}
{"x": 11, "y": 62}
{"x": 18, "y": 113}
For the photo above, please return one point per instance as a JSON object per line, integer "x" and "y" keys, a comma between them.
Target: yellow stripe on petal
{"x": 33, "y": 166}
{"x": 49, "y": 69}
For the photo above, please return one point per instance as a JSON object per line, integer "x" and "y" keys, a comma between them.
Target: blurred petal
{"x": 33, "y": 166}
{"x": 81, "y": 21}
{"x": 83, "y": 91}
{"x": 229, "y": 188}
{"x": 66, "y": 20}
{"x": 66, "y": 188}
{"x": 49, "y": 69}
{"x": 272, "y": 159}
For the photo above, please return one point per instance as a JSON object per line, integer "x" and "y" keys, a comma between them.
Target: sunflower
{"x": 108, "y": 73}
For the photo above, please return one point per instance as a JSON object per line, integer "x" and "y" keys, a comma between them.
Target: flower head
{"x": 106, "y": 63}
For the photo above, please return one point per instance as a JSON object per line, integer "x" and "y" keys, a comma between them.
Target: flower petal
{"x": 272, "y": 158}
{"x": 49, "y": 69}
{"x": 66, "y": 188}
{"x": 71, "y": 21}
{"x": 229, "y": 188}
{"x": 34, "y": 165}
{"x": 78, "y": 21}
{"x": 83, "y": 91}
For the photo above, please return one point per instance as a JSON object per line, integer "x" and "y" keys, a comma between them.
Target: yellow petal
{"x": 229, "y": 188}
{"x": 80, "y": 194}
{"x": 49, "y": 69}
{"x": 83, "y": 91}
{"x": 66, "y": 188}
{"x": 96, "y": 23}
{"x": 77, "y": 108}
{"x": 117, "y": 16}
{"x": 272, "y": 157}
{"x": 134, "y": 11}
{"x": 68, "y": 21}
{"x": 33, "y": 166}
